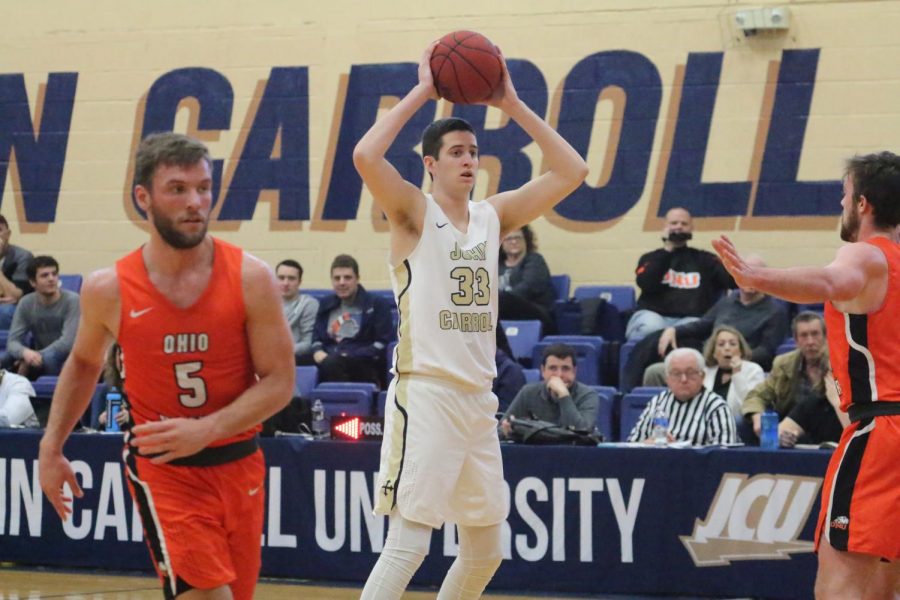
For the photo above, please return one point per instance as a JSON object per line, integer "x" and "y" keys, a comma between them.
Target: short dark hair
{"x": 39, "y": 262}
{"x": 290, "y": 262}
{"x": 877, "y": 177}
{"x": 805, "y": 317}
{"x": 433, "y": 136}
{"x": 166, "y": 149}
{"x": 4, "y": 222}
{"x": 560, "y": 351}
{"x": 345, "y": 261}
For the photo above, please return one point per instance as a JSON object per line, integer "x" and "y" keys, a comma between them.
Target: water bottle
{"x": 319, "y": 422}
{"x": 113, "y": 406}
{"x": 768, "y": 435}
{"x": 660, "y": 427}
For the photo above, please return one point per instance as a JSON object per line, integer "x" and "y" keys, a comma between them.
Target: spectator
{"x": 353, "y": 327}
{"x": 510, "y": 377}
{"x": 15, "y": 401}
{"x": 50, "y": 315}
{"x": 796, "y": 386}
{"x": 729, "y": 372}
{"x": 13, "y": 274}
{"x": 114, "y": 380}
{"x": 526, "y": 290}
{"x": 678, "y": 284}
{"x": 696, "y": 415}
{"x": 760, "y": 318}
{"x": 558, "y": 398}
{"x": 299, "y": 309}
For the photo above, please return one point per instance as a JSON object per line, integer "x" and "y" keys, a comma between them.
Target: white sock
{"x": 480, "y": 554}
{"x": 404, "y": 550}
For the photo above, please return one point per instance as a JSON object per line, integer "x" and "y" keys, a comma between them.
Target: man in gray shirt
{"x": 299, "y": 309}
{"x": 50, "y": 315}
{"x": 559, "y": 398}
{"x": 13, "y": 276}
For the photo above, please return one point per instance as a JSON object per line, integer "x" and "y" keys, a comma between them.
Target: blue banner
{"x": 586, "y": 520}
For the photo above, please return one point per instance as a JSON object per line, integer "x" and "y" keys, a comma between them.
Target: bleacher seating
{"x": 585, "y": 364}
{"x": 786, "y": 346}
{"x": 347, "y": 401}
{"x": 620, "y": 296}
{"x": 588, "y": 359}
{"x": 4, "y": 337}
{"x": 531, "y": 375}
{"x": 522, "y": 336}
{"x": 561, "y": 283}
{"x": 71, "y": 282}
{"x": 606, "y": 411}
{"x": 624, "y": 352}
{"x": 317, "y": 293}
{"x": 631, "y": 407}
{"x": 306, "y": 379}
{"x": 379, "y": 403}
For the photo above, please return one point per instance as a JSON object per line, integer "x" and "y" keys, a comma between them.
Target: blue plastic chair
{"x": 306, "y": 379}
{"x": 606, "y": 410}
{"x": 624, "y": 352}
{"x": 522, "y": 336}
{"x": 532, "y": 375}
{"x": 71, "y": 282}
{"x": 620, "y": 296}
{"x": 561, "y": 283}
{"x": 44, "y": 386}
{"x": 786, "y": 346}
{"x": 380, "y": 402}
{"x": 631, "y": 408}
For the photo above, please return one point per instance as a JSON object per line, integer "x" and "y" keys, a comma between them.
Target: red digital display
{"x": 354, "y": 428}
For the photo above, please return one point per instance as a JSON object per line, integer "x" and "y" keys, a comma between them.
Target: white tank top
{"x": 446, "y": 293}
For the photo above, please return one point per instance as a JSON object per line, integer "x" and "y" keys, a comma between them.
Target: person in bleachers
{"x": 796, "y": 388}
{"x": 13, "y": 274}
{"x": 15, "y": 401}
{"x": 729, "y": 371}
{"x": 526, "y": 289}
{"x": 696, "y": 415}
{"x": 559, "y": 398}
{"x": 678, "y": 283}
{"x": 760, "y": 318}
{"x": 353, "y": 328}
{"x": 510, "y": 377}
{"x": 50, "y": 315}
{"x": 299, "y": 309}
{"x": 114, "y": 380}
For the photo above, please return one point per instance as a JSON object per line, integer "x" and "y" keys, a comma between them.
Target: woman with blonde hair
{"x": 728, "y": 372}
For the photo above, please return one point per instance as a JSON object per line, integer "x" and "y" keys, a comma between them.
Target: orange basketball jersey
{"x": 184, "y": 362}
{"x": 864, "y": 348}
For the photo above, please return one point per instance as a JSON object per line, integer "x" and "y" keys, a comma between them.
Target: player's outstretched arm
{"x": 398, "y": 198}
{"x": 99, "y": 300}
{"x": 566, "y": 168}
{"x": 855, "y": 267}
{"x": 272, "y": 353}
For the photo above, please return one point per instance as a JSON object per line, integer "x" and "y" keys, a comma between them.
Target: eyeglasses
{"x": 690, "y": 374}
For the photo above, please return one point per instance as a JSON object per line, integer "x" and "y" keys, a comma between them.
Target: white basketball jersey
{"x": 446, "y": 293}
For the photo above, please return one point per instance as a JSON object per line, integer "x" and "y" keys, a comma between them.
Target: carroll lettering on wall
{"x": 273, "y": 154}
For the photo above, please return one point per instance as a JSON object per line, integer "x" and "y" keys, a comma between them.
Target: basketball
{"x": 467, "y": 67}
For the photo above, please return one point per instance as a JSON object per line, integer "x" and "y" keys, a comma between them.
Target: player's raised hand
{"x": 170, "y": 439}
{"x": 426, "y": 78}
{"x": 505, "y": 94}
{"x": 55, "y": 471}
{"x": 733, "y": 262}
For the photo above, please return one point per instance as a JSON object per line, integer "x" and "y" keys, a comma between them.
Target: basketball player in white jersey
{"x": 440, "y": 458}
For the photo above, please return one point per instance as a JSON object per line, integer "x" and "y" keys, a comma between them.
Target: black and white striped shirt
{"x": 703, "y": 420}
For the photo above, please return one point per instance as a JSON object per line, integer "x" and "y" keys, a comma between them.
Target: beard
{"x": 178, "y": 240}
{"x": 850, "y": 225}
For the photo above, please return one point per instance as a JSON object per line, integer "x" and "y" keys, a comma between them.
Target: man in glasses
{"x": 695, "y": 414}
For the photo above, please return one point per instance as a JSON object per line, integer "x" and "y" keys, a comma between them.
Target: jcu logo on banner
{"x": 753, "y": 518}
